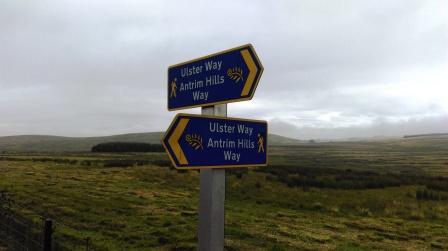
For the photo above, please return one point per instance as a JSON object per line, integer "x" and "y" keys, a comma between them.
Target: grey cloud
{"x": 378, "y": 129}
{"x": 99, "y": 67}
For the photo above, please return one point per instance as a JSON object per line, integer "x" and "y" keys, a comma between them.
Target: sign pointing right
{"x": 194, "y": 141}
{"x": 223, "y": 77}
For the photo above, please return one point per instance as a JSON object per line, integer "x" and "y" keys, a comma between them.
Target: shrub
{"x": 127, "y": 147}
{"x": 119, "y": 163}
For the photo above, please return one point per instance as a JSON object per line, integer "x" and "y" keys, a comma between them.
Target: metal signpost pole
{"x": 211, "y": 198}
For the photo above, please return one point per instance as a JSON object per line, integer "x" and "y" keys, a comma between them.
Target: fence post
{"x": 88, "y": 244}
{"x": 47, "y": 234}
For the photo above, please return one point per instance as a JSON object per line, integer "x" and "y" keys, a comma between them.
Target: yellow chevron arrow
{"x": 173, "y": 141}
{"x": 250, "y": 80}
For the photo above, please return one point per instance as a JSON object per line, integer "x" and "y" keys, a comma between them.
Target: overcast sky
{"x": 333, "y": 69}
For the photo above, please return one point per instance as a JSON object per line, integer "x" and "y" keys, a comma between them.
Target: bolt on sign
{"x": 228, "y": 76}
{"x": 198, "y": 141}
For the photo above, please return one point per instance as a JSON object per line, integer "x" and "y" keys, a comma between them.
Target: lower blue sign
{"x": 196, "y": 141}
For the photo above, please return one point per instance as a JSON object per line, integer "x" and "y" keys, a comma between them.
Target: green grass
{"x": 153, "y": 207}
{"x": 416, "y": 156}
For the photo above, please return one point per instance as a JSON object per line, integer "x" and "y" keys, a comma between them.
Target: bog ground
{"x": 384, "y": 195}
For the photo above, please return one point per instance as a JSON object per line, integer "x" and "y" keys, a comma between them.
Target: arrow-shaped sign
{"x": 223, "y": 77}
{"x": 196, "y": 141}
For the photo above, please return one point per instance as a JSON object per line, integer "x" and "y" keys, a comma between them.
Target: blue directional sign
{"x": 223, "y": 77}
{"x": 196, "y": 141}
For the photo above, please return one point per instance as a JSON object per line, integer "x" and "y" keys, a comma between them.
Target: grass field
{"x": 137, "y": 202}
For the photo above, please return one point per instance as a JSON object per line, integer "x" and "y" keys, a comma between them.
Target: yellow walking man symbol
{"x": 260, "y": 143}
{"x": 173, "y": 88}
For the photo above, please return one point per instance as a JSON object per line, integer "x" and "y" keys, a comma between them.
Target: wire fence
{"x": 16, "y": 231}
{"x": 32, "y": 231}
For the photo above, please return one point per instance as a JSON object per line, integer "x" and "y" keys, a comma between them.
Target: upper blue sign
{"x": 223, "y": 77}
{"x": 195, "y": 141}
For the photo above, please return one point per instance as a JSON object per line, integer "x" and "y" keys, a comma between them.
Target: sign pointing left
{"x": 194, "y": 141}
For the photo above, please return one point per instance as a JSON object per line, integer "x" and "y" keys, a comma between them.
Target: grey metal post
{"x": 211, "y": 199}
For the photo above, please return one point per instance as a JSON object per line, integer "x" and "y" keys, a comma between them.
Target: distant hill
{"x": 275, "y": 139}
{"x": 429, "y": 135}
{"x": 48, "y": 143}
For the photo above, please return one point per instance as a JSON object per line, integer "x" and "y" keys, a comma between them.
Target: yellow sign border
{"x": 255, "y": 84}
{"x": 214, "y": 117}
